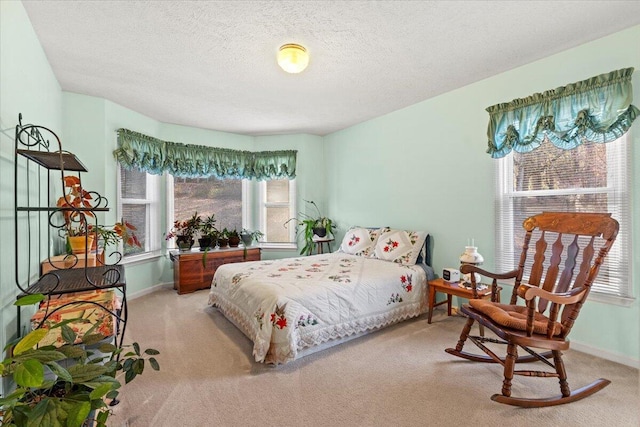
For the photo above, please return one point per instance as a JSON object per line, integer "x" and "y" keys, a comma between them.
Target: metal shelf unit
{"x": 37, "y": 216}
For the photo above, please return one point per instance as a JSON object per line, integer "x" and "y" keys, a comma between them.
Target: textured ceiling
{"x": 211, "y": 64}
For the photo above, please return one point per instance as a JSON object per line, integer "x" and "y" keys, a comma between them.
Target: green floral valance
{"x": 594, "y": 110}
{"x": 187, "y": 160}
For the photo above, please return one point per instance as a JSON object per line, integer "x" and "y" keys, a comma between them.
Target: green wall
{"x": 27, "y": 86}
{"x": 420, "y": 167}
{"x": 425, "y": 167}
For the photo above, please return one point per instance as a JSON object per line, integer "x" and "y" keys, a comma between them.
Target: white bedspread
{"x": 287, "y": 305}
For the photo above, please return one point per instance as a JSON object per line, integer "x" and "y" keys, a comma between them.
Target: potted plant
{"x": 66, "y": 385}
{"x": 234, "y": 238}
{"x": 184, "y": 231}
{"x": 318, "y": 225}
{"x": 120, "y": 231}
{"x": 74, "y": 205}
{"x": 248, "y": 236}
{"x": 208, "y": 233}
{"x": 223, "y": 238}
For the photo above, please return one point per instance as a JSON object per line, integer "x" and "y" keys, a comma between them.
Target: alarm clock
{"x": 451, "y": 275}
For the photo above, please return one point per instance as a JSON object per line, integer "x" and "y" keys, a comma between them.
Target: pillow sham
{"x": 400, "y": 246}
{"x": 360, "y": 241}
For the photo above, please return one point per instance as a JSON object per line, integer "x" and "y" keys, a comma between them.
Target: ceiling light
{"x": 293, "y": 58}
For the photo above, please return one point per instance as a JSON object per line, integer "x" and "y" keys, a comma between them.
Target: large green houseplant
{"x": 317, "y": 225}
{"x": 49, "y": 394}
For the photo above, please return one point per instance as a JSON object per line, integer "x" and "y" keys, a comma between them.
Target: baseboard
{"x": 613, "y": 357}
{"x": 149, "y": 290}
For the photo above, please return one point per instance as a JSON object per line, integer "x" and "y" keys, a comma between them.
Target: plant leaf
{"x": 84, "y": 373}
{"x": 151, "y": 351}
{"x": 107, "y": 348}
{"x": 154, "y": 364}
{"x": 68, "y": 335}
{"x": 29, "y": 373}
{"x": 114, "y": 384}
{"x": 138, "y": 366}
{"x": 30, "y": 340}
{"x": 136, "y": 348}
{"x": 61, "y": 372}
{"x": 12, "y": 398}
{"x": 92, "y": 339}
{"x": 77, "y": 414}
{"x": 29, "y": 299}
{"x": 129, "y": 376}
{"x": 43, "y": 356}
{"x": 100, "y": 391}
{"x": 45, "y": 413}
{"x": 72, "y": 351}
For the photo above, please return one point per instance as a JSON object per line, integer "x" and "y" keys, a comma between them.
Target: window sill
{"x": 611, "y": 299}
{"x": 594, "y": 296}
{"x": 278, "y": 246}
{"x": 141, "y": 258}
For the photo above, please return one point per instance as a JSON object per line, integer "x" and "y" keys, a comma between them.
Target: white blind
{"x": 590, "y": 178}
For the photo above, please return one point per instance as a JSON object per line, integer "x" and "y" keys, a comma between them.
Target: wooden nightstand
{"x": 191, "y": 274}
{"x": 451, "y": 289}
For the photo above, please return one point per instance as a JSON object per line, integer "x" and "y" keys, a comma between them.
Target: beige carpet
{"x": 400, "y": 376}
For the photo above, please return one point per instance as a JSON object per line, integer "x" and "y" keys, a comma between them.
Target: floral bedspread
{"x": 290, "y": 304}
{"x": 82, "y": 313}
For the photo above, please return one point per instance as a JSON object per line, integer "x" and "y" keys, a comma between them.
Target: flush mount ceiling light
{"x": 293, "y": 58}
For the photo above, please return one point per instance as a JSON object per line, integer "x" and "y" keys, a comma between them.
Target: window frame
{"x": 153, "y": 244}
{"x": 505, "y": 195}
{"x": 253, "y": 194}
{"x": 262, "y": 215}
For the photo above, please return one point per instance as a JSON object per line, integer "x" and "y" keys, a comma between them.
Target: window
{"x": 206, "y": 196}
{"x": 590, "y": 178}
{"x": 237, "y": 204}
{"x": 277, "y": 205}
{"x": 138, "y": 197}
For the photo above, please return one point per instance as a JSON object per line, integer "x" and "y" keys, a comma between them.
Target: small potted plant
{"x": 223, "y": 238}
{"x": 234, "y": 238}
{"x": 81, "y": 235}
{"x": 77, "y": 380}
{"x": 208, "y": 233}
{"x": 318, "y": 225}
{"x": 184, "y": 231}
{"x": 120, "y": 231}
{"x": 74, "y": 205}
{"x": 248, "y": 236}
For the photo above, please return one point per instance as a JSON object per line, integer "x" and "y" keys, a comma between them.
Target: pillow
{"x": 360, "y": 241}
{"x": 400, "y": 246}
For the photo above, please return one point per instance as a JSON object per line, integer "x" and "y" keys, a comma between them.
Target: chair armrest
{"x": 529, "y": 292}
{"x": 467, "y": 268}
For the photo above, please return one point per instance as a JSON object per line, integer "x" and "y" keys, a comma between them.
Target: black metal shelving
{"x": 36, "y": 207}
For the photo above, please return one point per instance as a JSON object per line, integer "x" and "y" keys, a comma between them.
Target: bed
{"x": 296, "y": 306}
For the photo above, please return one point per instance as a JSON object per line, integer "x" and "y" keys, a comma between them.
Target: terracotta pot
{"x": 222, "y": 242}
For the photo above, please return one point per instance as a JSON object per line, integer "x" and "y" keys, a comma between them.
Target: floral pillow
{"x": 360, "y": 241}
{"x": 400, "y": 246}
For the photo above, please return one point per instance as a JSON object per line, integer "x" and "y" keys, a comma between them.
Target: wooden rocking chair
{"x": 558, "y": 294}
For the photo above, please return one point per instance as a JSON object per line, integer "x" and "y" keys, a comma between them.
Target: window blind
{"x": 590, "y": 178}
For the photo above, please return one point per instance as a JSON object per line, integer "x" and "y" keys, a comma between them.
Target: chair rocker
{"x": 552, "y": 301}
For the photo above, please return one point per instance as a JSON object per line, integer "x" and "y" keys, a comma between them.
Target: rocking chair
{"x": 558, "y": 294}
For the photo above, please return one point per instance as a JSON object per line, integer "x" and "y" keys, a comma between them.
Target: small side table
{"x": 451, "y": 289}
{"x": 320, "y": 242}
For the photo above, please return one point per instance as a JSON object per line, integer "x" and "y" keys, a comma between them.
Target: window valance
{"x": 188, "y": 160}
{"x": 598, "y": 109}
